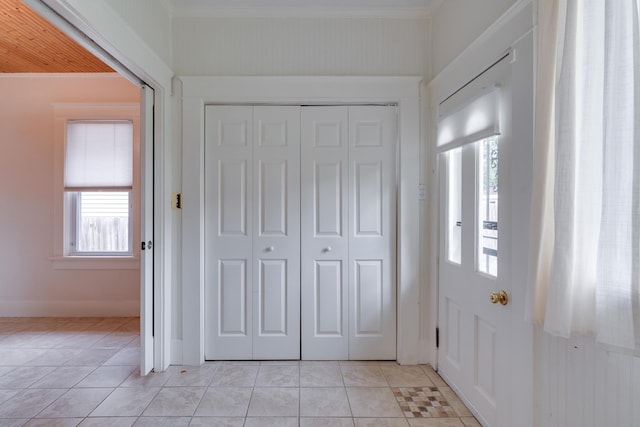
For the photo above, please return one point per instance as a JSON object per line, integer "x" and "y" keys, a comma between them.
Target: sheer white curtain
{"x": 586, "y": 211}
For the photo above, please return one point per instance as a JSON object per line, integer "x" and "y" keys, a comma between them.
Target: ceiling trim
{"x": 302, "y": 12}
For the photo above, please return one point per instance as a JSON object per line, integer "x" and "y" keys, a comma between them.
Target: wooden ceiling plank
{"x": 29, "y": 43}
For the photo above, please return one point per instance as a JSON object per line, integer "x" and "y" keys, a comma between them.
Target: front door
{"x": 474, "y": 310}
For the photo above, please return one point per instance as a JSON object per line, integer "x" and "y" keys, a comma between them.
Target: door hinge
{"x": 437, "y": 337}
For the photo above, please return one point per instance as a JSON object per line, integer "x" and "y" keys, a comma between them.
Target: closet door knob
{"x": 327, "y": 249}
{"x": 270, "y": 249}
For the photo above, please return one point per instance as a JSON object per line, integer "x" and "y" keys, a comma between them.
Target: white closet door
{"x": 276, "y": 224}
{"x": 372, "y": 233}
{"x": 348, "y": 233}
{"x": 228, "y": 232}
{"x": 325, "y": 250}
{"x": 252, "y": 226}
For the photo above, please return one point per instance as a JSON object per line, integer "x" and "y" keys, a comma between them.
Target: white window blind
{"x": 98, "y": 155}
{"x": 474, "y": 121}
{"x": 472, "y": 113}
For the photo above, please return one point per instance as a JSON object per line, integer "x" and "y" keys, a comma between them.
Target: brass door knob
{"x": 499, "y": 297}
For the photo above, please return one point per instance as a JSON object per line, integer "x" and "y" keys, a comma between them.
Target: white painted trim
{"x": 80, "y": 308}
{"x": 95, "y": 263}
{"x": 302, "y": 12}
{"x": 198, "y": 91}
{"x": 427, "y": 335}
{"x": 488, "y": 46}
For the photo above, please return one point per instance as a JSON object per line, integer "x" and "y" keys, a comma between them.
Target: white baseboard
{"x": 90, "y": 308}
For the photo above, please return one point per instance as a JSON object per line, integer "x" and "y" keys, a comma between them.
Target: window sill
{"x": 96, "y": 263}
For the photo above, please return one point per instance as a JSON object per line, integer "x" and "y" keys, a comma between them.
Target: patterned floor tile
{"x": 423, "y": 402}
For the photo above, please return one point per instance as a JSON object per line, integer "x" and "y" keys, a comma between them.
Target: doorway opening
{"x": 65, "y": 75}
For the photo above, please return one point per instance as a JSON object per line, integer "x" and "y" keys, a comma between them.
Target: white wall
{"x": 151, "y": 20}
{"x": 583, "y": 385}
{"x": 294, "y": 45}
{"x": 29, "y": 285}
{"x": 300, "y": 46}
{"x": 457, "y": 23}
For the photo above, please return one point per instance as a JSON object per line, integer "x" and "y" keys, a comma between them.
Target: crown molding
{"x": 302, "y": 12}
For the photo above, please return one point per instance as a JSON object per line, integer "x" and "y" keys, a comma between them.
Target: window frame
{"x": 479, "y": 231}
{"x": 63, "y": 219}
{"x": 73, "y": 227}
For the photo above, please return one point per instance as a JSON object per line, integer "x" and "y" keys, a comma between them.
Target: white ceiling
{"x": 273, "y": 7}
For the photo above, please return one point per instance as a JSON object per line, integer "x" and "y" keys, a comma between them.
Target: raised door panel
{"x": 232, "y": 197}
{"x": 369, "y": 209}
{"x": 272, "y": 201}
{"x": 328, "y": 290}
{"x": 272, "y": 309}
{"x": 369, "y": 301}
{"x": 485, "y": 369}
{"x": 372, "y": 233}
{"x": 327, "y": 198}
{"x": 451, "y": 341}
{"x": 228, "y": 233}
{"x": 232, "y": 296}
{"x": 276, "y": 243}
{"x": 324, "y": 239}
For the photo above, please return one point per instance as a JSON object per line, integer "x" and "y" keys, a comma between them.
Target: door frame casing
{"x": 301, "y": 90}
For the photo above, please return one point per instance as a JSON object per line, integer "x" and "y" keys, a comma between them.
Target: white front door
{"x": 485, "y": 134}
{"x": 475, "y": 259}
{"x": 474, "y": 264}
{"x": 348, "y": 232}
{"x": 252, "y": 279}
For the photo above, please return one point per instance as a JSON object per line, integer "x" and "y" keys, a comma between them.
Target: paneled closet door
{"x": 348, "y": 233}
{"x": 252, "y": 227}
{"x": 228, "y": 228}
{"x": 372, "y": 233}
{"x": 325, "y": 238}
{"x": 276, "y": 224}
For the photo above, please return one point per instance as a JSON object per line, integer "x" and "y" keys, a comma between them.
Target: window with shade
{"x": 98, "y": 184}
{"x": 469, "y": 122}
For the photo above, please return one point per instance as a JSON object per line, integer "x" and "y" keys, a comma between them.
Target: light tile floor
{"x": 83, "y": 371}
